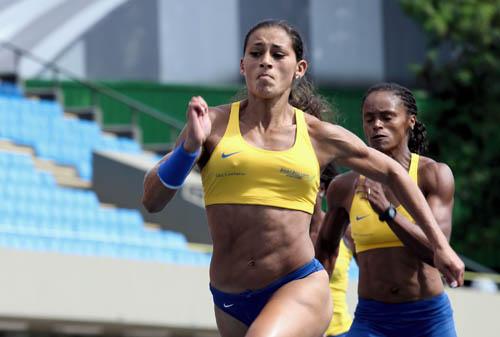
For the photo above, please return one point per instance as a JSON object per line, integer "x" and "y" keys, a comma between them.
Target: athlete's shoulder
{"x": 347, "y": 177}
{"x": 219, "y": 116}
{"x": 428, "y": 165}
{"x": 334, "y": 142}
{"x": 432, "y": 174}
{"x": 216, "y": 112}
{"x": 341, "y": 187}
{"x": 319, "y": 128}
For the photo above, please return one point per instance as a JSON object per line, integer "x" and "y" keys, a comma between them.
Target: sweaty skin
{"x": 395, "y": 274}
{"x": 255, "y": 245}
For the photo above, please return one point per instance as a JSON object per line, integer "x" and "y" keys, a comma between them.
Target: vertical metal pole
{"x": 135, "y": 125}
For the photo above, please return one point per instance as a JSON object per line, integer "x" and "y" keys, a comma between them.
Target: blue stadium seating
{"x": 41, "y": 125}
{"x": 10, "y": 90}
{"x": 36, "y": 214}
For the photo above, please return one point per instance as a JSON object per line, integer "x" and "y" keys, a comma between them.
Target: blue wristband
{"x": 176, "y": 168}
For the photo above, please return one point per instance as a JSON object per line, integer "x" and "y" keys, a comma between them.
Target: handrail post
{"x": 137, "y": 131}
{"x": 94, "y": 98}
{"x": 55, "y": 78}
{"x": 134, "y": 116}
{"x": 134, "y": 119}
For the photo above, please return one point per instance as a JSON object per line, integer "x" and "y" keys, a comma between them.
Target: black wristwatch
{"x": 388, "y": 214}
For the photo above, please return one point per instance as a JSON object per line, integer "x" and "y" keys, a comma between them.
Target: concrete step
{"x": 121, "y": 130}
{"x": 49, "y": 94}
{"x": 64, "y": 175}
{"x": 90, "y": 113}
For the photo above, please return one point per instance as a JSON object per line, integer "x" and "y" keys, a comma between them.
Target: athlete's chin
{"x": 380, "y": 147}
{"x": 268, "y": 92}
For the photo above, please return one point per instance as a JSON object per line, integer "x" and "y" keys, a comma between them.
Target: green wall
{"x": 172, "y": 100}
{"x": 168, "y": 99}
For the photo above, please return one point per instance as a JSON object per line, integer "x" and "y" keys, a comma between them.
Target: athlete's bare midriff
{"x": 395, "y": 275}
{"x": 255, "y": 245}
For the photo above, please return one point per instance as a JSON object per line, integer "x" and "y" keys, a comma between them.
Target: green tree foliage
{"x": 462, "y": 69}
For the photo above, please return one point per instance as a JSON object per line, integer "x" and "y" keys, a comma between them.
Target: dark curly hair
{"x": 417, "y": 141}
{"x": 302, "y": 95}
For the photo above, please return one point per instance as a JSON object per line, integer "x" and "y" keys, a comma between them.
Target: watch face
{"x": 392, "y": 213}
{"x": 388, "y": 214}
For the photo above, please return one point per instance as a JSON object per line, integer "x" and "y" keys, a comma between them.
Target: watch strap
{"x": 388, "y": 214}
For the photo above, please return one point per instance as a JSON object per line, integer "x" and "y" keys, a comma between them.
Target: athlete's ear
{"x": 301, "y": 68}
{"x": 412, "y": 120}
{"x": 242, "y": 68}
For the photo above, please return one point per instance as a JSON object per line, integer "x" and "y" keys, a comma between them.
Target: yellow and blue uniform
{"x": 341, "y": 319}
{"x": 427, "y": 317}
{"x": 368, "y": 232}
{"x": 239, "y": 173}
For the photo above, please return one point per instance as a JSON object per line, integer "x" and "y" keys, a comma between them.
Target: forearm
{"x": 348, "y": 150}
{"x": 412, "y": 199}
{"x": 327, "y": 256}
{"x": 413, "y": 238}
{"x": 324, "y": 249}
{"x": 327, "y": 244}
{"x": 155, "y": 195}
{"x": 379, "y": 167}
{"x": 329, "y": 265}
{"x": 161, "y": 183}
{"x": 316, "y": 221}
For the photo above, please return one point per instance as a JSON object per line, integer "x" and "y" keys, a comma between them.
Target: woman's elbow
{"x": 150, "y": 199}
{"x": 151, "y": 204}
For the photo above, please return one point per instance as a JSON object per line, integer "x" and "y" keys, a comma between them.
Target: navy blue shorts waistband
{"x": 307, "y": 269}
{"x": 413, "y": 310}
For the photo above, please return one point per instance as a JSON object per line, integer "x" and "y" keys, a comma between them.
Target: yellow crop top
{"x": 341, "y": 319}
{"x": 368, "y": 231}
{"x": 240, "y": 173}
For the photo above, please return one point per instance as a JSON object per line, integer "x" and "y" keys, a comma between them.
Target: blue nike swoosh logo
{"x": 225, "y": 155}
{"x": 361, "y": 217}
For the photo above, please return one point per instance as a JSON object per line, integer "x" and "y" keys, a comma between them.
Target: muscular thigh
{"x": 300, "y": 308}
{"x": 229, "y": 326}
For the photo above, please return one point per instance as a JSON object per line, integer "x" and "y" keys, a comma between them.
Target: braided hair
{"x": 417, "y": 141}
{"x": 302, "y": 95}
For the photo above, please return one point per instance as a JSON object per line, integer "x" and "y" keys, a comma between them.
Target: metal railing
{"x": 135, "y": 107}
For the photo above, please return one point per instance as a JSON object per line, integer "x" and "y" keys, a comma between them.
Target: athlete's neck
{"x": 401, "y": 155}
{"x": 267, "y": 113}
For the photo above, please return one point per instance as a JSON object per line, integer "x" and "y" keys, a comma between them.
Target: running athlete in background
{"x": 400, "y": 290}
{"x": 260, "y": 162}
{"x": 339, "y": 276}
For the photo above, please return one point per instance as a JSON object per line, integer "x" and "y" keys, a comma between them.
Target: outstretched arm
{"x": 440, "y": 188}
{"x": 162, "y": 181}
{"x": 348, "y": 150}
